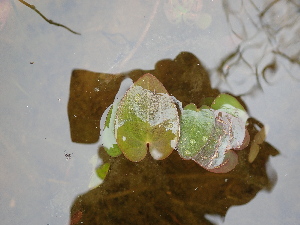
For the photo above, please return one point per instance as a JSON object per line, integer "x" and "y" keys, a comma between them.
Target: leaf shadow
{"x": 170, "y": 191}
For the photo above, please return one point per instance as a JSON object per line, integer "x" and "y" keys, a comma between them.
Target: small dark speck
{"x": 68, "y": 155}
{"x": 31, "y": 62}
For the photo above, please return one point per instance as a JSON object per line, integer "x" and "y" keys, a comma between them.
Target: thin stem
{"x": 49, "y": 21}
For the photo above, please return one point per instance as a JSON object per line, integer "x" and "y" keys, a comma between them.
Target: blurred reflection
{"x": 171, "y": 191}
{"x": 267, "y": 34}
{"x": 188, "y": 12}
{"x": 5, "y": 8}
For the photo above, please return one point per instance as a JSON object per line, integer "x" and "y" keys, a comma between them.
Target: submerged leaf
{"x": 103, "y": 170}
{"x": 259, "y": 138}
{"x": 229, "y": 163}
{"x": 147, "y": 118}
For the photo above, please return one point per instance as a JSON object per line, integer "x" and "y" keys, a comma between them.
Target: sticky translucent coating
{"x": 228, "y": 133}
{"x": 208, "y": 136}
{"x": 231, "y": 105}
{"x": 196, "y": 128}
{"x": 109, "y": 141}
{"x": 147, "y": 118}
